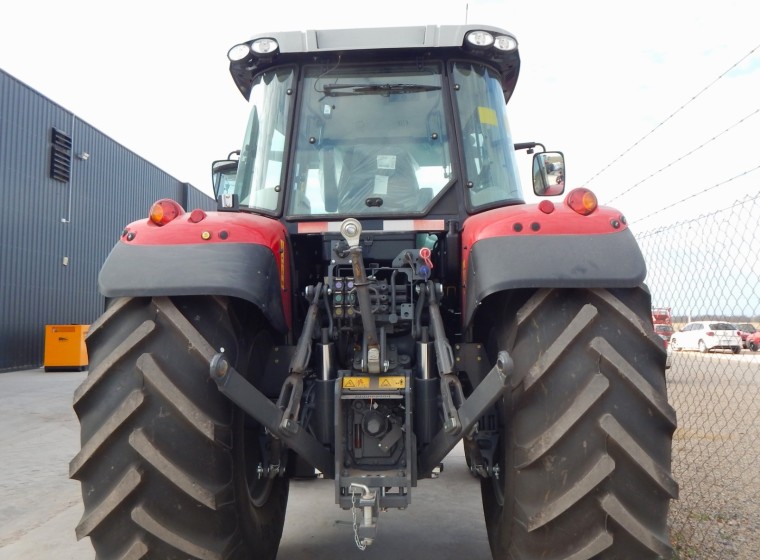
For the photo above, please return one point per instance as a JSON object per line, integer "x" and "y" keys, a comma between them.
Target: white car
{"x": 706, "y": 336}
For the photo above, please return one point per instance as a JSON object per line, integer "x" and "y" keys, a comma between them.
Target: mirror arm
{"x": 530, "y": 146}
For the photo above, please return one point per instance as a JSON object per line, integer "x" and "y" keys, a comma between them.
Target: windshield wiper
{"x": 378, "y": 89}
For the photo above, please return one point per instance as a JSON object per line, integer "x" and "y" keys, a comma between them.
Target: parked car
{"x": 706, "y": 336}
{"x": 744, "y": 330}
{"x": 753, "y": 341}
{"x": 664, "y": 332}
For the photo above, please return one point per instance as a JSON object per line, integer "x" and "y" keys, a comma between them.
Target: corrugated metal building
{"x": 67, "y": 192}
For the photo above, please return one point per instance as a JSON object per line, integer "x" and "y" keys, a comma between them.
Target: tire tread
{"x": 113, "y": 500}
{"x": 588, "y": 430}
{"x": 161, "y": 531}
{"x": 195, "y": 417}
{"x": 628, "y": 521}
{"x": 590, "y": 394}
{"x": 158, "y": 472}
{"x": 106, "y": 431}
{"x": 120, "y": 352}
{"x": 183, "y": 480}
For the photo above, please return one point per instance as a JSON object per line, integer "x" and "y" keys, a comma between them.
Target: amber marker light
{"x": 582, "y": 201}
{"x": 164, "y": 211}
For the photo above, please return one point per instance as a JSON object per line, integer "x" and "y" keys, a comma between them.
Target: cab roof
{"x": 424, "y": 41}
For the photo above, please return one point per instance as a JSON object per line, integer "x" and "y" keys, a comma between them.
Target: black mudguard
{"x": 243, "y": 270}
{"x": 609, "y": 260}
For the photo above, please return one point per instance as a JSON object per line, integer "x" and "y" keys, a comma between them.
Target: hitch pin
{"x": 366, "y": 496}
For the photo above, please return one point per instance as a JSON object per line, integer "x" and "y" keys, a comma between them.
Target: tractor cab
{"x": 410, "y": 122}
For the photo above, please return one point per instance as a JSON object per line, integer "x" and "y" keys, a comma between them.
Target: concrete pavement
{"x": 39, "y": 434}
{"x": 40, "y": 506}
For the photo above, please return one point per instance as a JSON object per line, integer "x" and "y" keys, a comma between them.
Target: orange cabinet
{"x": 65, "y": 348}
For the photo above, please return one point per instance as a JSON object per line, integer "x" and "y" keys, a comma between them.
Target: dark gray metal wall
{"x": 45, "y": 223}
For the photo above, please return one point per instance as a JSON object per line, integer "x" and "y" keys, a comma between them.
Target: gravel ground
{"x": 716, "y": 451}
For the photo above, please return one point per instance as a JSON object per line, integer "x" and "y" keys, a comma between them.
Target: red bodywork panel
{"x": 220, "y": 228}
{"x": 239, "y": 228}
{"x": 530, "y": 220}
{"x": 561, "y": 221}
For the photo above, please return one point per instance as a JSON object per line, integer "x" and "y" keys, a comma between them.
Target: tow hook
{"x": 365, "y": 527}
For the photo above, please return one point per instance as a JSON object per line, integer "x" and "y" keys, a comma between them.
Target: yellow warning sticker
{"x": 356, "y": 382}
{"x": 389, "y": 383}
{"x": 487, "y": 116}
{"x": 395, "y": 382}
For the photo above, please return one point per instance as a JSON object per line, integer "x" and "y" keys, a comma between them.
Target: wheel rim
{"x": 497, "y": 475}
{"x": 499, "y": 457}
{"x": 259, "y": 485}
{"x": 498, "y": 491}
{"x": 253, "y": 437}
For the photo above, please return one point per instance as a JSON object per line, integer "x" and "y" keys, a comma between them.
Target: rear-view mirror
{"x": 548, "y": 173}
{"x": 223, "y": 175}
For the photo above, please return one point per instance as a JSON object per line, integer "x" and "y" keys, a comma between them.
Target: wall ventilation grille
{"x": 60, "y": 156}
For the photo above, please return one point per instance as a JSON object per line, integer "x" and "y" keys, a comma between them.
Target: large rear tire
{"x": 585, "y": 439}
{"x": 168, "y": 465}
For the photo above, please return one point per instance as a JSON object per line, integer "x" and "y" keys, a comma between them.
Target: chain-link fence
{"x": 708, "y": 269}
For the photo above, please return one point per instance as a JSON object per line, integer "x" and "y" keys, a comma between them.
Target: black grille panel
{"x": 60, "y": 156}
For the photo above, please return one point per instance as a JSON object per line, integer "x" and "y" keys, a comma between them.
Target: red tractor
{"x": 662, "y": 316}
{"x": 663, "y": 324}
{"x": 372, "y": 291}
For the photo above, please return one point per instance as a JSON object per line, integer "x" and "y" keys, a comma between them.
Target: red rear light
{"x": 582, "y": 201}
{"x": 546, "y": 206}
{"x": 196, "y": 216}
{"x": 164, "y": 211}
{"x": 710, "y": 333}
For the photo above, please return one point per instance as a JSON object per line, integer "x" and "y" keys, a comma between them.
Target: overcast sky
{"x": 596, "y": 77}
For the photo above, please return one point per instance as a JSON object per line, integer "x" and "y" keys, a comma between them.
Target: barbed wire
{"x": 687, "y": 154}
{"x": 750, "y": 198}
{"x": 694, "y": 195}
{"x": 673, "y": 114}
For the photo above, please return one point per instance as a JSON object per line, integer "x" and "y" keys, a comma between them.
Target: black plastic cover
{"x": 242, "y": 270}
{"x": 552, "y": 261}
